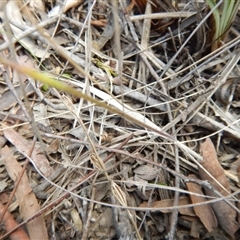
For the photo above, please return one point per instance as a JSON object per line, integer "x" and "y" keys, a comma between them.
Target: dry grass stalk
{"x": 169, "y": 95}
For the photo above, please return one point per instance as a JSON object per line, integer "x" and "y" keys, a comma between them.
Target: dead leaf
{"x": 70, "y": 4}
{"x": 168, "y": 203}
{"x": 105, "y": 224}
{"x": 146, "y": 172}
{"x": 13, "y": 13}
{"x": 99, "y": 23}
{"x": 27, "y": 201}
{"x": 8, "y": 100}
{"x": 225, "y": 214}
{"x": 37, "y": 5}
{"x": 3, "y": 184}
{"x": 204, "y": 212}
{"x": 4, "y": 198}
{"x": 106, "y": 35}
{"x": 77, "y": 222}
{"x": 24, "y": 146}
{"x": 53, "y": 147}
{"x": 223, "y": 94}
{"x": 10, "y": 223}
{"x": 196, "y": 228}
{"x": 101, "y": 191}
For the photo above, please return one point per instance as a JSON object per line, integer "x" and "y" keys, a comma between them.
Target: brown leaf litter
{"x": 166, "y": 168}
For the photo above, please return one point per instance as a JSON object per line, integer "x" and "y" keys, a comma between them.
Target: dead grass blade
{"x": 111, "y": 69}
